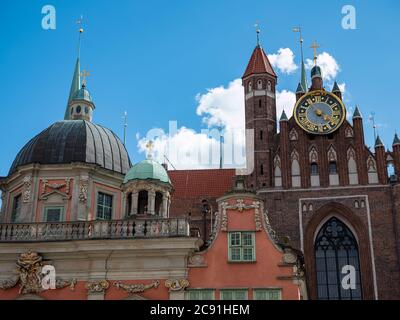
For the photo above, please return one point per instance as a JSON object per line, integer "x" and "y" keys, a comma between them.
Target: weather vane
{"x": 149, "y": 147}
{"x": 84, "y": 75}
{"x": 258, "y": 30}
{"x": 298, "y": 29}
{"x": 315, "y": 46}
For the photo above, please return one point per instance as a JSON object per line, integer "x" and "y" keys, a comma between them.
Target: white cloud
{"x": 328, "y": 64}
{"x": 223, "y": 106}
{"x": 283, "y": 60}
{"x": 188, "y": 149}
{"x": 285, "y": 100}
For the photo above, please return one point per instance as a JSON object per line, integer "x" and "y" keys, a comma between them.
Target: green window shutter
{"x": 267, "y": 294}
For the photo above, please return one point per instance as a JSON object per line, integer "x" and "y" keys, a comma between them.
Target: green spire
{"x": 303, "y": 79}
{"x": 75, "y": 86}
{"x": 378, "y": 142}
{"x": 396, "y": 140}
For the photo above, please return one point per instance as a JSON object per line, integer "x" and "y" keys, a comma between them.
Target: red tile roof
{"x": 259, "y": 63}
{"x": 201, "y": 183}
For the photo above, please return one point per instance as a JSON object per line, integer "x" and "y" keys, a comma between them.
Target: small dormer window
{"x": 250, "y": 87}
{"x": 78, "y": 109}
{"x": 269, "y": 86}
{"x": 259, "y": 84}
{"x": 86, "y": 110}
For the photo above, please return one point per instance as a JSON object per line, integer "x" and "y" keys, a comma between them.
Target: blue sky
{"x": 152, "y": 58}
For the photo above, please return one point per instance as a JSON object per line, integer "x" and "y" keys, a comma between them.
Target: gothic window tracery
{"x": 352, "y": 166}
{"x": 293, "y": 136}
{"x": 336, "y": 249}
{"x": 277, "y": 171}
{"x": 296, "y": 181}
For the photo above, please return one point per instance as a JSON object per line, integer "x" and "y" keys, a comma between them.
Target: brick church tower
{"x": 323, "y": 186}
{"x": 259, "y": 81}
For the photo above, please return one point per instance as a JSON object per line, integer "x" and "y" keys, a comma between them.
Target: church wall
{"x": 284, "y": 206}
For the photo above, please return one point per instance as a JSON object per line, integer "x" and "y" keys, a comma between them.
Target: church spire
{"x": 303, "y": 77}
{"x": 80, "y": 105}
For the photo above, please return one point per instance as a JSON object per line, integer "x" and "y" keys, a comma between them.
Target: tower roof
{"x": 396, "y": 140}
{"x": 147, "y": 169}
{"x": 335, "y": 87}
{"x": 284, "y": 116}
{"x": 259, "y": 63}
{"x": 356, "y": 113}
{"x": 75, "y": 85}
{"x": 378, "y": 142}
{"x": 316, "y": 72}
{"x": 300, "y": 88}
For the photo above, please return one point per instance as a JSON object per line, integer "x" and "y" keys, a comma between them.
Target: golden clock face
{"x": 319, "y": 112}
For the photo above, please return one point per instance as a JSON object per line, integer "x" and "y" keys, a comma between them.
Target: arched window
{"x": 143, "y": 202}
{"x": 314, "y": 168}
{"x": 336, "y": 249}
{"x": 158, "y": 203}
{"x": 269, "y": 86}
{"x": 250, "y": 87}
{"x": 259, "y": 84}
{"x": 332, "y": 167}
{"x": 259, "y": 103}
{"x": 261, "y": 170}
{"x": 261, "y": 134}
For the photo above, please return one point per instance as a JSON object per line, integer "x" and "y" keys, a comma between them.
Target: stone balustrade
{"x": 85, "y": 230}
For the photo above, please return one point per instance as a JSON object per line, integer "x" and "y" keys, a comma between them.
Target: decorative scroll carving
{"x": 136, "y": 288}
{"x": 29, "y": 270}
{"x": 176, "y": 284}
{"x": 55, "y": 188}
{"x": 240, "y": 206}
{"x": 26, "y": 194}
{"x": 99, "y": 286}
{"x": 83, "y": 189}
{"x": 269, "y": 229}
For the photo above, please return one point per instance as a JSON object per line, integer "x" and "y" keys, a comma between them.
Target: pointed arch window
{"x": 336, "y": 247}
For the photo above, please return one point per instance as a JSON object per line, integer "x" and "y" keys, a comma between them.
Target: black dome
{"x": 75, "y": 141}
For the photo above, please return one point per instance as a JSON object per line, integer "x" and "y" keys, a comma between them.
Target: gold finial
{"x": 258, "y": 30}
{"x": 315, "y": 46}
{"x": 149, "y": 147}
{"x": 84, "y": 75}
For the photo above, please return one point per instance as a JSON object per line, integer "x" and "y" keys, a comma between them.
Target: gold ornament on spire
{"x": 149, "y": 147}
{"x": 315, "y": 46}
{"x": 84, "y": 75}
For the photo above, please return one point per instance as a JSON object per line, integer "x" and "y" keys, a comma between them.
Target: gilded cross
{"x": 315, "y": 46}
{"x": 84, "y": 74}
{"x": 149, "y": 147}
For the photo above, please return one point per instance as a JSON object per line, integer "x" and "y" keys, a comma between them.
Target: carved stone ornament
{"x": 83, "y": 189}
{"x": 97, "y": 286}
{"x": 241, "y": 206}
{"x": 29, "y": 275}
{"x": 269, "y": 228}
{"x": 176, "y": 284}
{"x": 136, "y": 288}
{"x": 50, "y": 188}
{"x": 26, "y": 193}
